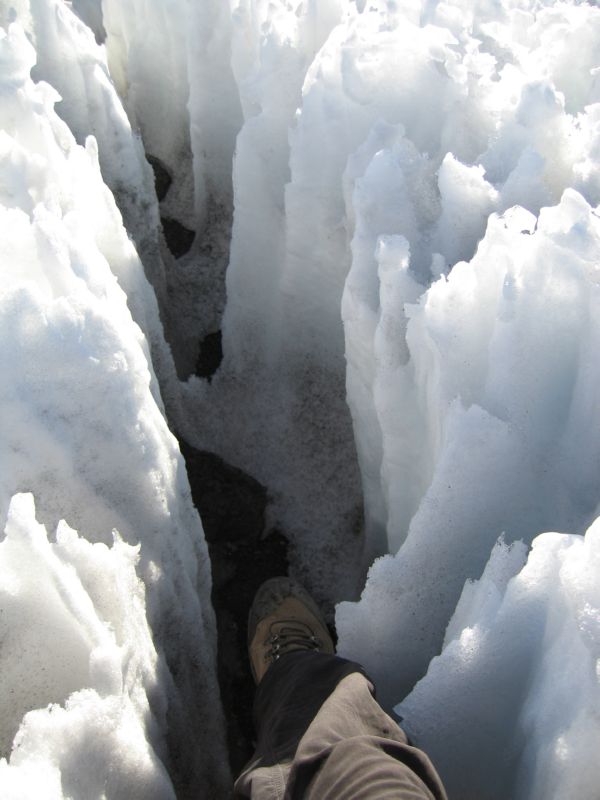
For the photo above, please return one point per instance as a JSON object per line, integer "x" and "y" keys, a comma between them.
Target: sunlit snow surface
{"x": 412, "y": 320}
{"x": 100, "y": 629}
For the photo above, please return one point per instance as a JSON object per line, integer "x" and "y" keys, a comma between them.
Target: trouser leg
{"x": 323, "y": 736}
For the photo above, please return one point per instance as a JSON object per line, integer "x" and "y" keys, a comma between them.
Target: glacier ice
{"x": 149, "y": 71}
{"x": 473, "y": 412}
{"x": 276, "y": 408}
{"x": 83, "y": 430}
{"x": 68, "y": 58}
{"x": 411, "y": 121}
{"x": 510, "y": 707}
{"x": 80, "y": 681}
{"x": 488, "y": 427}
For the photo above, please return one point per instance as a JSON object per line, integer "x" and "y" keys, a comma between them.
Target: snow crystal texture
{"x": 94, "y": 633}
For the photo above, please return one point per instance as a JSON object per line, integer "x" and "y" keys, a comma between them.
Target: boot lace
{"x": 288, "y": 635}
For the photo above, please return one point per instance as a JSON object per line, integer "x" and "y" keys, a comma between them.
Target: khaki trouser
{"x": 323, "y": 736}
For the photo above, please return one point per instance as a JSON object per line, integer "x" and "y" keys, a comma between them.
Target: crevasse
{"x": 394, "y": 213}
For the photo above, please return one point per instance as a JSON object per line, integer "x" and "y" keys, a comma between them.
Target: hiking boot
{"x": 284, "y": 618}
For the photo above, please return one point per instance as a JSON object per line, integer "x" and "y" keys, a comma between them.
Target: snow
{"x": 410, "y": 333}
{"x": 472, "y": 405}
{"x": 83, "y": 431}
{"x": 74, "y": 632}
{"x": 490, "y": 416}
{"x": 277, "y": 407}
{"x": 519, "y": 666}
{"x": 149, "y": 71}
{"x": 69, "y": 59}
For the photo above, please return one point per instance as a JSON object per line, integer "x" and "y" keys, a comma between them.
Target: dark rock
{"x": 231, "y": 503}
{"x": 210, "y": 355}
{"x": 179, "y": 239}
{"x": 91, "y": 14}
{"x": 232, "y": 507}
{"x": 162, "y": 177}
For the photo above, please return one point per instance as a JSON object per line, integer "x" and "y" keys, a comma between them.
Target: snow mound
{"x": 76, "y": 647}
{"x": 510, "y": 708}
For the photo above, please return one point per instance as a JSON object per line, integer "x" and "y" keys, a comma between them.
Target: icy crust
{"x": 511, "y": 706}
{"x": 76, "y": 647}
{"x": 82, "y": 429}
{"x": 488, "y": 425}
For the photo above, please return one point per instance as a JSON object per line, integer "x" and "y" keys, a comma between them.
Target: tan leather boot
{"x": 284, "y": 618}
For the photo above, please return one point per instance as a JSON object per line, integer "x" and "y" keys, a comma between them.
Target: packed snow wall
{"x": 501, "y": 366}
{"x": 108, "y": 684}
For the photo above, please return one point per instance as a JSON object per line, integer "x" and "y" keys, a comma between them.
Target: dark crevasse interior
{"x": 232, "y": 506}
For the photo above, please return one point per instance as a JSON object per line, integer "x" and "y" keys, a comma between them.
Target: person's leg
{"x": 321, "y": 734}
{"x": 287, "y": 701}
{"x": 353, "y": 750}
{"x": 289, "y": 697}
